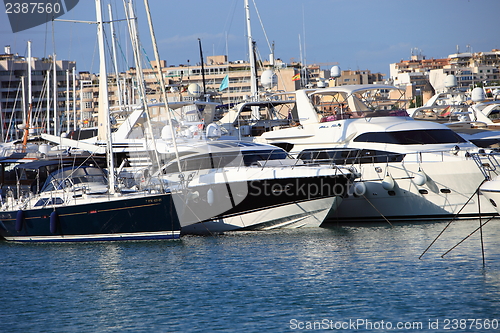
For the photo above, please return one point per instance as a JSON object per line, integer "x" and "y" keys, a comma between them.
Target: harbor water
{"x": 350, "y": 278}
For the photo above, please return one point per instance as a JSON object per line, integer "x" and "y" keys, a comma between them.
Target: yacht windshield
{"x": 70, "y": 176}
{"x": 413, "y": 137}
{"x": 225, "y": 159}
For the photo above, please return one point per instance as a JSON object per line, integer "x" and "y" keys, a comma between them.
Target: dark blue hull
{"x": 132, "y": 218}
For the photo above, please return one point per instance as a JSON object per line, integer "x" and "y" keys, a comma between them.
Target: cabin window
{"x": 349, "y": 156}
{"x": 414, "y": 137}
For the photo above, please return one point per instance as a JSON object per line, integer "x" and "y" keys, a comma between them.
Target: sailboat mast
{"x": 162, "y": 81}
{"x": 30, "y": 94}
{"x": 23, "y": 99}
{"x": 68, "y": 116}
{"x": 301, "y": 71}
{"x": 141, "y": 87}
{"x": 54, "y": 93}
{"x": 253, "y": 87}
{"x": 115, "y": 60}
{"x": 74, "y": 98}
{"x": 202, "y": 70}
{"x": 253, "y": 67}
{"x": 47, "y": 85}
{"x": 104, "y": 125}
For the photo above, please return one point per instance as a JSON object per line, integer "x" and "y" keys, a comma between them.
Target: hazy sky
{"x": 357, "y": 34}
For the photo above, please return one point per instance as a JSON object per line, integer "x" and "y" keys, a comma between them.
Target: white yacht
{"x": 410, "y": 169}
{"x": 238, "y": 185}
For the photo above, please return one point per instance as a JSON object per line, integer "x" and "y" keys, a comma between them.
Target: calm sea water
{"x": 279, "y": 281}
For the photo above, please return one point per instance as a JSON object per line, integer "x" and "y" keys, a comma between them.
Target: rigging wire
{"x": 262, "y": 25}
{"x": 470, "y": 234}
{"x": 453, "y": 219}
{"x": 12, "y": 114}
{"x": 227, "y": 26}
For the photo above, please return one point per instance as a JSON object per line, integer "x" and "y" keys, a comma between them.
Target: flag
{"x": 446, "y": 111}
{"x": 225, "y": 83}
{"x": 296, "y": 77}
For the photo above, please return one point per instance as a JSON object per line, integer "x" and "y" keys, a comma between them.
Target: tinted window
{"x": 228, "y": 159}
{"x": 349, "y": 156}
{"x": 414, "y": 137}
{"x": 250, "y": 157}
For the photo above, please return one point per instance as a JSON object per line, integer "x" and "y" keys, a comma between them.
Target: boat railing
{"x": 29, "y": 151}
{"x": 347, "y": 157}
{"x": 355, "y": 156}
{"x": 365, "y": 114}
{"x": 488, "y": 163}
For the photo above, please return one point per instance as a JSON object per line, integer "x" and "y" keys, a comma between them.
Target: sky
{"x": 353, "y": 34}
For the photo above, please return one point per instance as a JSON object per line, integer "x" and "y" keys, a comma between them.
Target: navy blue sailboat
{"x": 75, "y": 205}
{"x": 83, "y": 203}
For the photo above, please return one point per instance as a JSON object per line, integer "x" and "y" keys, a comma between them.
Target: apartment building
{"x": 424, "y": 77}
{"x": 357, "y": 77}
{"x": 471, "y": 69}
{"x": 14, "y": 93}
{"x": 210, "y": 76}
{"x": 123, "y": 91}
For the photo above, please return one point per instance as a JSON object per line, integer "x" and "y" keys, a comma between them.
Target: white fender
{"x": 388, "y": 183}
{"x": 420, "y": 178}
{"x": 210, "y": 197}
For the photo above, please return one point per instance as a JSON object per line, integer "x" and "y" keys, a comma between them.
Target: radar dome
{"x": 268, "y": 79}
{"x": 194, "y": 89}
{"x": 335, "y": 71}
{"x": 478, "y": 94}
{"x": 450, "y": 81}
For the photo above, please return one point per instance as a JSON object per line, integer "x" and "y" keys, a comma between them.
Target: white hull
{"x": 449, "y": 192}
{"x": 392, "y": 151}
{"x": 309, "y": 213}
{"x": 491, "y": 191}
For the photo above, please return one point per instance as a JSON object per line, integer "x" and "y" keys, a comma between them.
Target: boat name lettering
{"x": 153, "y": 200}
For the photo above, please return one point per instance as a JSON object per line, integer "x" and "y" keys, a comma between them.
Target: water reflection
{"x": 337, "y": 273}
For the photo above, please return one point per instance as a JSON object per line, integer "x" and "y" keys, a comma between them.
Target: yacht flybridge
{"x": 475, "y": 119}
{"x": 409, "y": 169}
